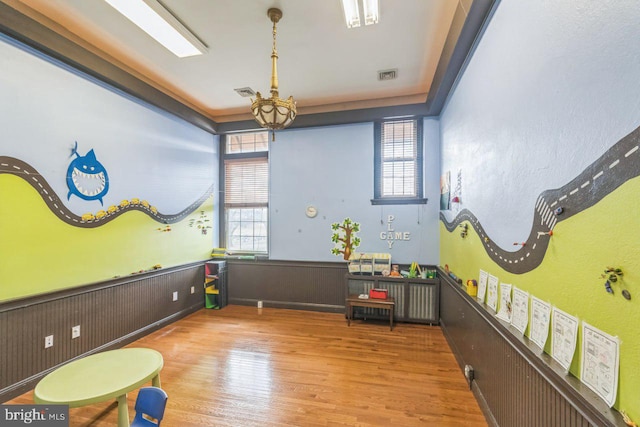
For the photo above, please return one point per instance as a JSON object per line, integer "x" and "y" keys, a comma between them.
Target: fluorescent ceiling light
{"x": 371, "y": 11}
{"x": 160, "y": 24}
{"x": 352, "y": 12}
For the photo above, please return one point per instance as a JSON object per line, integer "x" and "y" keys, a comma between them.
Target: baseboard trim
{"x": 290, "y": 305}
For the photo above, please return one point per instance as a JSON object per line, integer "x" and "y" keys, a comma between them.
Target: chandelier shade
{"x": 274, "y": 113}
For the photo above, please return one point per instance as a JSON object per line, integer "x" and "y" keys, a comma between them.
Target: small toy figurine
{"x": 607, "y": 287}
{"x": 612, "y": 275}
{"x": 395, "y": 271}
{"x": 472, "y": 287}
{"x": 465, "y": 230}
{"x": 628, "y": 420}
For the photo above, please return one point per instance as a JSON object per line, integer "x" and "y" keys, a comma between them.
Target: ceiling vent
{"x": 387, "y": 74}
{"x": 245, "y": 92}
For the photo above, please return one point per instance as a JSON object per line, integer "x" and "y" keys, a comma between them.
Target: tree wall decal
{"x": 344, "y": 237}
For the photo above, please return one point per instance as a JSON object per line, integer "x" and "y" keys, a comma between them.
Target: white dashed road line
{"x": 630, "y": 152}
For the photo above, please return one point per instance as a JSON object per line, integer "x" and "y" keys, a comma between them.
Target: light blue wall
{"x": 149, "y": 154}
{"x": 331, "y": 168}
{"x": 550, "y": 87}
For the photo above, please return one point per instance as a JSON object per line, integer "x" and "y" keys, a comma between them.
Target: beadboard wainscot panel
{"x": 514, "y": 384}
{"x": 316, "y": 286}
{"x": 110, "y": 314}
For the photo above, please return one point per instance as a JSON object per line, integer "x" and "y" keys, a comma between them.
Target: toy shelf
{"x": 215, "y": 284}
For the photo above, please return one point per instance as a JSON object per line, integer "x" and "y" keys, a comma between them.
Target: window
{"x": 246, "y": 196}
{"x": 247, "y": 143}
{"x": 398, "y": 162}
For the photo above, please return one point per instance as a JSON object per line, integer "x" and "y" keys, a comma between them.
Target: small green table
{"x": 99, "y": 377}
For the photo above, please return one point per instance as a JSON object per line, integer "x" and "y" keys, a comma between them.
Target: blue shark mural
{"x": 86, "y": 177}
{"x": 13, "y": 166}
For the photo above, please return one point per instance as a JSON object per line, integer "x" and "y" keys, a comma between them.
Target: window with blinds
{"x": 246, "y": 197}
{"x": 398, "y": 157}
{"x": 246, "y": 183}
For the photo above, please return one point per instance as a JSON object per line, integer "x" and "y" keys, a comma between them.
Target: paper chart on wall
{"x": 504, "y": 310}
{"x": 600, "y": 362}
{"x": 482, "y": 285}
{"x": 540, "y": 315}
{"x": 492, "y": 292}
{"x": 564, "y": 334}
{"x": 520, "y": 307}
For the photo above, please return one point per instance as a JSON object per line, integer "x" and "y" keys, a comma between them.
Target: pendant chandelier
{"x": 274, "y": 113}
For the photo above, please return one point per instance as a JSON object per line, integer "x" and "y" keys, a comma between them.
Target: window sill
{"x": 400, "y": 201}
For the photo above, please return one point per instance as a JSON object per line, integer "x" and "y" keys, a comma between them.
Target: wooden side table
{"x": 385, "y": 304}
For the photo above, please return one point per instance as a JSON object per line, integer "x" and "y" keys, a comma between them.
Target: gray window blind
{"x": 246, "y": 182}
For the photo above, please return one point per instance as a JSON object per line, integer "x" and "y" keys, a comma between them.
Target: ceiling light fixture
{"x": 160, "y": 24}
{"x": 371, "y": 10}
{"x": 274, "y": 113}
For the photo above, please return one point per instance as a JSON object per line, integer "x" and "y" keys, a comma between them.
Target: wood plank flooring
{"x": 243, "y": 367}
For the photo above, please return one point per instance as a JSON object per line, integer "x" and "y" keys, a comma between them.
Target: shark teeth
{"x": 88, "y": 184}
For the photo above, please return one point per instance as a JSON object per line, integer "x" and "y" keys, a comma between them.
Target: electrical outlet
{"x": 175, "y": 296}
{"x": 259, "y": 304}
{"x": 48, "y": 341}
{"x": 193, "y": 289}
{"x": 469, "y": 374}
{"x": 75, "y": 332}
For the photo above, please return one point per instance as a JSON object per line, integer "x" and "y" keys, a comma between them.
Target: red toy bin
{"x": 378, "y": 293}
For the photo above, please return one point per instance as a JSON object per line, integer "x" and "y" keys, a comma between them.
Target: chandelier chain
{"x": 274, "y": 66}
{"x": 274, "y": 39}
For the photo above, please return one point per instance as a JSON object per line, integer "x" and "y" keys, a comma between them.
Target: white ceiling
{"x": 324, "y": 65}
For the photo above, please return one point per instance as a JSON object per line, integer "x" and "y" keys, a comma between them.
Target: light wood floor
{"x": 243, "y": 367}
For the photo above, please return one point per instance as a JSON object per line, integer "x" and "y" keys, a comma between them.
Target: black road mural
{"x": 10, "y": 165}
{"x": 615, "y": 167}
